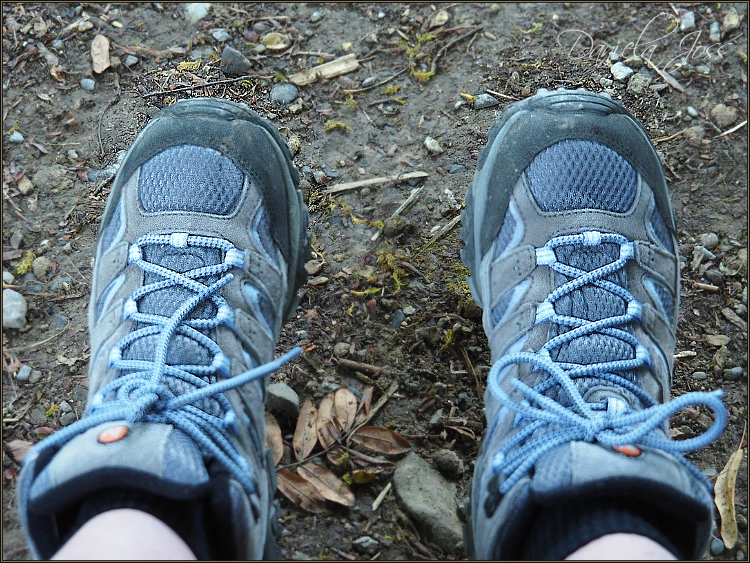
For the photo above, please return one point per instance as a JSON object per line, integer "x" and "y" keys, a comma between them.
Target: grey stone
{"x": 432, "y": 146}
{"x": 299, "y": 556}
{"x": 59, "y": 321}
{"x": 72, "y": 154}
{"x": 316, "y": 16}
{"x": 429, "y": 499}
{"x": 24, "y": 372}
{"x": 703, "y": 69}
{"x": 40, "y": 266}
{"x": 196, "y": 11}
{"x": 284, "y": 399}
{"x": 457, "y": 169}
{"x": 740, "y": 555}
{"x": 397, "y": 319}
{"x": 621, "y": 72}
{"x": 741, "y": 521}
{"x": 65, "y": 407}
{"x": 130, "y": 60}
{"x": 61, "y": 282}
{"x": 88, "y": 83}
{"x": 716, "y": 547}
{"x": 58, "y": 44}
{"x": 709, "y": 240}
{"x": 35, "y": 376}
{"x": 16, "y": 137}
{"x": 449, "y": 464}
{"x": 731, "y": 21}
{"x": 606, "y": 82}
{"x": 14, "y": 309}
{"x": 221, "y": 35}
{"x": 485, "y": 101}
{"x": 233, "y": 62}
{"x": 436, "y": 422}
{"x": 692, "y": 112}
{"x": 409, "y": 310}
{"x": 709, "y": 472}
{"x": 700, "y": 375}
{"x": 341, "y": 349}
{"x": 366, "y": 545}
{"x": 283, "y": 93}
{"x": 369, "y": 81}
{"x": 431, "y": 334}
{"x": 464, "y": 401}
{"x": 723, "y": 116}
{"x": 687, "y": 22}
{"x": 638, "y": 83}
{"x": 441, "y": 389}
{"x": 8, "y": 277}
{"x": 733, "y": 374}
{"x": 714, "y": 33}
{"x": 68, "y": 418}
{"x": 51, "y": 177}
{"x": 16, "y": 239}
{"x": 634, "y": 61}
{"x": 714, "y": 276}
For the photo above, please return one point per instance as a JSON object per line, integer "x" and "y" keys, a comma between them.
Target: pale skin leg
{"x": 131, "y": 534}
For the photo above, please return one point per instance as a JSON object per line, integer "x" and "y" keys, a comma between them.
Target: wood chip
{"x": 347, "y": 63}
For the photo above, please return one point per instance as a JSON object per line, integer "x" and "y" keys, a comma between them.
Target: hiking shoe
{"x": 200, "y": 253}
{"x": 570, "y": 241}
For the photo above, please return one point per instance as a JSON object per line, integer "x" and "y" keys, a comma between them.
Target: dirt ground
{"x": 71, "y": 137}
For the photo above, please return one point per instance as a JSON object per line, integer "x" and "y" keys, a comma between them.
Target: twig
{"x": 367, "y": 368}
{"x": 372, "y": 181}
{"x": 316, "y": 54}
{"x": 195, "y": 86}
{"x": 414, "y": 193}
{"x": 668, "y": 78}
{"x": 30, "y": 346}
{"x": 381, "y": 496}
{"x": 499, "y": 95}
{"x": 76, "y": 269}
{"x": 101, "y": 115}
{"x": 440, "y": 233}
{"x": 472, "y": 372}
{"x": 706, "y": 286}
{"x": 664, "y": 139}
{"x": 446, "y": 114}
{"x": 367, "y": 116}
{"x": 732, "y": 130}
{"x": 399, "y": 73}
{"x": 433, "y": 66}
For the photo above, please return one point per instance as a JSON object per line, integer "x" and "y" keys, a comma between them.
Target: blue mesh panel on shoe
{"x": 664, "y": 297}
{"x": 506, "y": 233}
{"x": 499, "y": 310}
{"x": 110, "y": 231}
{"x": 580, "y": 174}
{"x": 661, "y": 231}
{"x": 190, "y": 178}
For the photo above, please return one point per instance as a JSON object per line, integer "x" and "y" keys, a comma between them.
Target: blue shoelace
{"x": 611, "y": 423}
{"x": 140, "y": 393}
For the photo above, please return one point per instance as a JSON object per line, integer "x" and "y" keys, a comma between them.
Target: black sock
{"x": 188, "y": 518}
{"x": 560, "y": 530}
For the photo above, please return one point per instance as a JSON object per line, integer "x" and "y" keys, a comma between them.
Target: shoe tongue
{"x": 591, "y": 303}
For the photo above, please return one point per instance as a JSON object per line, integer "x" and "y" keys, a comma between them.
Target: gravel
{"x": 24, "y": 372}
{"x": 14, "y": 309}
{"x": 233, "y": 62}
{"x": 284, "y": 93}
{"x": 621, "y": 72}
{"x": 88, "y": 83}
{"x": 687, "y": 22}
{"x": 432, "y": 146}
{"x": 221, "y": 35}
{"x": 485, "y": 101}
{"x": 16, "y": 137}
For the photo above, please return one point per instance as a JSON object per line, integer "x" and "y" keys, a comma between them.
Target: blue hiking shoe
{"x": 200, "y": 254}
{"x": 571, "y": 245}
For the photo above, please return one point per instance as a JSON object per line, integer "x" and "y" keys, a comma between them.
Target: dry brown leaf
{"x": 100, "y": 53}
{"x": 381, "y": 440}
{"x": 724, "y": 498}
{"x": 327, "y": 483}
{"x": 345, "y": 408}
{"x": 371, "y": 460}
{"x": 305, "y": 435}
{"x": 364, "y": 407}
{"x": 19, "y": 449}
{"x": 275, "y": 41}
{"x": 300, "y": 491}
{"x": 273, "y": 438}
{"x": 468, "y": 432}
{"x": 325, "y": 413}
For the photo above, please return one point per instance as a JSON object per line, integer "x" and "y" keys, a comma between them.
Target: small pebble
{"x": 369, "y": 81}
{"x": 709, "y": 240}
{"x": 233, "y": 62}
{"x": 85, "y": 26}
{"x": 716, "y": 546}
{"x": 68, "y": 418}
{"x": 714, "y": 33}
{"x": 16, "y": 137}
{"x": 606, "y": 82}
{"x": 485, "y": 101}
{"x": 709, "y": 472}
{"x": 65, "y": 407}
{"x": 409, "y": 310}
{"x": 457, "y": 169}
{"x": 14, "y": 309}
{"x": 692, "y": 112}
{"x": 341, "y": 349}
{"x": 700, "y": 375}
{"x": 687, "y": 22}
{"x": 88, "y": 83}
{"x": 733, "y": 374}
{"x": 221, "y": 35}
{"x": 8, "y": 277}
{"x": 16, "y": 239}
{"x": 621, "y": 72}
{"x": 316, "y": 16}
{"x": 432, "y": 146}
{"x": 130, "y": 60}
{"x": 58, "y": 44}
{"x": 35, "y": 376}
{"x": 23, "y": 373}
{"x": 381, "y": 15}
{"x": 283, "y": 93}
{"x": 739, "y": 556}
{"x": 723, "y": 116}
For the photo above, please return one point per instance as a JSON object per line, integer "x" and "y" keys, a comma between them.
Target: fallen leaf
{"x": 327, "y": 483}
{"x": 100, "y": 53}
{"x": 465, "y": 431}
{"x": 441, "y": 18}
{"x": 381, "y": 440}
{"x": 724, "y": 498}
{"x": 66, "y": 361}
{"x": 368, "y": 459}
{"x": 364, "y": 406}
{"x": 338, "y": 456}
{"x": 345, "y": 408}
{"x": 305, "y": 435}
{"x": 275, "y": 41}
{"x": 19, "y": 449}
{"x": 300, "y": 491}
{"x": 324, "y": 418}
{"x": 273, "y": 438}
